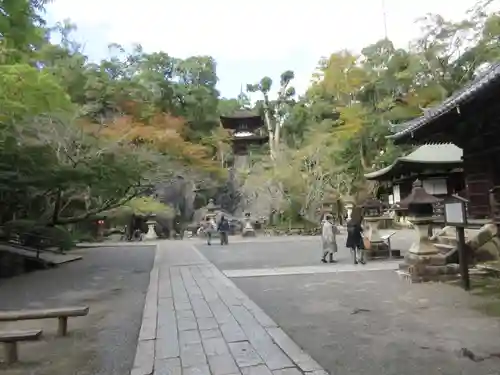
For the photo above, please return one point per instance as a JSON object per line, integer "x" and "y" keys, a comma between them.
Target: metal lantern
{"x": 372, "y": 207}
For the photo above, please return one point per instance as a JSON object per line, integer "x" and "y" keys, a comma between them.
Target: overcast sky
{"x": 249, "y": 39}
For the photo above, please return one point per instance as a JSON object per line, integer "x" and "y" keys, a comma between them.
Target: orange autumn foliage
{"x": 163, "y": 132}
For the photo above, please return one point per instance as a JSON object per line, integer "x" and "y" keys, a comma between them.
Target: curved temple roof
{"x": 437, "y": 155}
{"x": 476, "y": 88}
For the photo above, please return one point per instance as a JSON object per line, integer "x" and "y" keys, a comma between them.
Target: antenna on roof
{"x": 241, "y": 97}
{"x": 384, "y": 15}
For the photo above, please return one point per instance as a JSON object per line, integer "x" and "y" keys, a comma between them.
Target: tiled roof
{"x": 468, "y": 92}
{"x": 443, "y": 154}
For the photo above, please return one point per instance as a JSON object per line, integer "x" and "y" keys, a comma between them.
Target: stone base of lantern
{"x": 430, "y": 267}
{"x": 248, "y": 230}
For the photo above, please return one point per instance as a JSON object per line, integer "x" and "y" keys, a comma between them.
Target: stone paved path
{"x": 197, "y": 322}
{"x": 315, "y": 270}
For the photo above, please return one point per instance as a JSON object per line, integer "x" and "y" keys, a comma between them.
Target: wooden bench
{"x": 62, "y": 314}
{"x": 10, "y": 340}
{"x": 387, "y": 239}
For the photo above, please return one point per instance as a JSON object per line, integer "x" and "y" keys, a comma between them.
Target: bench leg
{"x": 62, "y": 328}
{"x": 10, "y": 352}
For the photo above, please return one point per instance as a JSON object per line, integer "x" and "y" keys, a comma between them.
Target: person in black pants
{"x": 223, "y": 229}
{"x": 355, "y": 240}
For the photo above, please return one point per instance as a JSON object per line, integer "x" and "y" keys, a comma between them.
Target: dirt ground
{"x": 113, "y": 281}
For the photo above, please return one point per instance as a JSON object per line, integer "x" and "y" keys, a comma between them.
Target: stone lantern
{"x": 211, "y": 207}
{"x": 349, "y": 207}
{"x": 420, "y": 206}
{"x": 423, "y": 262}
{"x": 372, "y": 210}
{"x": 248, "y": 229}
{"x": 151, "y": 235}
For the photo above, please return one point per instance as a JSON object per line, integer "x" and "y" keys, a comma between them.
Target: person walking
{"x": 209, "y": 228}
{"x": 355, "y": 240}
{"x": 223, "y": 229}
{"x": 328, "y": 239}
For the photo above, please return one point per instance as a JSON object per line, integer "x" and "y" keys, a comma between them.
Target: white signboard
{"x": 453, "y": 212}
{"x": 396, "y": 193}
{"x": 436, "y": 186}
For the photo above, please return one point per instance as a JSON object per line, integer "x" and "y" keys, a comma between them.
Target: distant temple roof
{"x": 242, "y": 118}
{"x": 479, "y": 87}
{"x": 430, "y": 155}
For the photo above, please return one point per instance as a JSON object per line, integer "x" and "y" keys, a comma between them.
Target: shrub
{"x": 32, "y": 234}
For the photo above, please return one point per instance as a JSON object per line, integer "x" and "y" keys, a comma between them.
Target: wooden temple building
{"x": 246, "y": 129}
{"x": 470, "y": 119}
{"x": 439, "y": 167}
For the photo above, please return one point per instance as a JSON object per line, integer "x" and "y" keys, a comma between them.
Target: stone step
{"x": 448, "y": 240}
{"x": 444, "y": 248}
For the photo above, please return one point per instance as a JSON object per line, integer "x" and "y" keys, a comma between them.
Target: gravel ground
{"x": 285, "y": 252}
{"x": 113, "y": 282}
{"x": 371, "y": 323}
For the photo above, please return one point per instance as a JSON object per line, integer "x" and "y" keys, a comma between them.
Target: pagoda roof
{"x": 242, "y": 114}
{"x": 433, "y": 156}
{"x": 250, "y": 118}
{"x": 476, "y": 90}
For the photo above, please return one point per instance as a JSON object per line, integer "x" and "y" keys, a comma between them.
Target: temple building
{"x": 438, "y": 167}
{"x": 468, "y": 119}
{"x": 246, "y": 131}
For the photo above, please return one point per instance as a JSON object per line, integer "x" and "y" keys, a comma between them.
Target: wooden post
{"x": 464, "y": 267}
{"x": 62, "y": 328}
{"x": 10, "y": 352}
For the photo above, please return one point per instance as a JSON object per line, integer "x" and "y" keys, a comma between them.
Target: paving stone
{"x": 192, "y": 355}
{"x": 186, "y": 305}
{"x": 243, "y": 316}
{"x": 196, "y": 370}
{"x": 167, "y": 326}
{"x": 287, "y": 371}
{"x": 170, "y": 366}
{"x": 166, "y": 304}
{"x": 317, "y": 372}
{"x": 148, "y": 329}
{"x": 215, "y": 346}
{"x": 144, "y": 357}
{"x": 189, "y": 337}
{"x": 220, "y": 311}
{"x": 210, "y": 333}
{"x": 222, "y": 364}
{"x": 207, "y": 323}
{"x": 259, "y": 314}
{"x": 185, "y": 314}
{"x": 186, "y": 324}
{"x": 164, "y": 286}
{"x": 256, "y": 370}
{"x": 301, "y": 358}
{"x": 167, "y": 347}
{"x": 244, "y": 354}
{"x": 232, "y": 332}
{"x": 201, "y": 309}
{"x": 272, "y": 355}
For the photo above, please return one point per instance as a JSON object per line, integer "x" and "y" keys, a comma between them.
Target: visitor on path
{"x": 355, "y": 240}
{"x": 223, "y": 229}
{"x": 328, "y": 239}
{"x": 209, "y": 228}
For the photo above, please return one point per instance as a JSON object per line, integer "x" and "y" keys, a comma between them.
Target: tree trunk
{"x": 57, "y": 208}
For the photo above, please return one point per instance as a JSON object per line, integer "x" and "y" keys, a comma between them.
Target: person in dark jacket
{"x": 223, "y": 229}
{"x": 355, "y": 240}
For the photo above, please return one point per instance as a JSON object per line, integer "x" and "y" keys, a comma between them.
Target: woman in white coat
{"x": 328, "y": 239}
